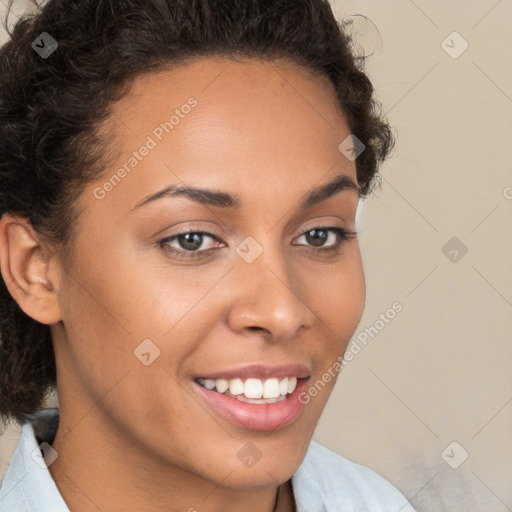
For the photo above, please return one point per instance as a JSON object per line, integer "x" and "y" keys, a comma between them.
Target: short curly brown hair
{"x": 51, "y": 108}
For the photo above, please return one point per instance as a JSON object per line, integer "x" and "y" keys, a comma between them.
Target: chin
{"x": 263, "y": 462}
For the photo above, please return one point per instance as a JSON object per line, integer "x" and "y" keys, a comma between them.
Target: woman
{"x": 179, "y": 186}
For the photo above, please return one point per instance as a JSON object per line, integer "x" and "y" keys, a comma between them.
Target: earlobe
{"x": 28, "y": 270}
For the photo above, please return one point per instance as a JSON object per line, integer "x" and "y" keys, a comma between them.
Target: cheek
{"x": 107, "y": 316}
{"x": 114, "y": 300}
{"x": 103, "y": 318}
{"x": 340, "y": 295}
{"x": 97, "y": 349}
{"x": 339, "y": 304}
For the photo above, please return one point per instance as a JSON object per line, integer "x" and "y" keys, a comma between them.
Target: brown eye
{"x": 190, "y": 241}
{"x": 317, "y": 237}
{"x": 189, "y": 244}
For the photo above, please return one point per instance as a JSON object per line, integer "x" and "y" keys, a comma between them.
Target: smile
{"x": 252, "y": 391}
{"x": 255, "y": 397}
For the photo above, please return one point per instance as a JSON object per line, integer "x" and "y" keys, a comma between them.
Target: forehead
{"x": 244, "y": 97}
{"x": 217, "y": 77}
{"x": 240, "y": 124}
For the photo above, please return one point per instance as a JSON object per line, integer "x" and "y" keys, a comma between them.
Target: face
{"x": 264, "y": 286}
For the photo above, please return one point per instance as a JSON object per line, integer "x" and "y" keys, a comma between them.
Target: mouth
{"x": 252, "y": 391}
{"x": 256, "y": 397}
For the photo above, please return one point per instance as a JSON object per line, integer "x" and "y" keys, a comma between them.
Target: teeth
{"x": 209, "y": 383}
{"x": 236, "y": 386}
{"x": 271, "y": 389}
{"x": 253, "y": 389}
{"x": 283, "y": 386}
{"x": 221, "y": 385}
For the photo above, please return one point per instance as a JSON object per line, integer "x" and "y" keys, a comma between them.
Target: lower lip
{"x": 256, "y": 416}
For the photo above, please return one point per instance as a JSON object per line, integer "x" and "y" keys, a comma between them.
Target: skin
{"x": 135, "y": 437}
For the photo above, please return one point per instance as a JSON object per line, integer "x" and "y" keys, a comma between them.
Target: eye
{"x": 190, "y": 244}
{"x": 318, "y": 236}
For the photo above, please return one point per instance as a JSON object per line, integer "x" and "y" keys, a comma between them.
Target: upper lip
{"x": 260, "y": 371}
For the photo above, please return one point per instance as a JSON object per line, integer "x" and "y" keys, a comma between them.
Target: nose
{"x": 268, "y": 296}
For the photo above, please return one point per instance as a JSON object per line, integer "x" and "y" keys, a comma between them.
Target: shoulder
{"x": 326, "y": 479}
{"x": 28, "y": 485}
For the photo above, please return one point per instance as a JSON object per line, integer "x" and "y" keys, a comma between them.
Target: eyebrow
{"x": 224, "y": 200}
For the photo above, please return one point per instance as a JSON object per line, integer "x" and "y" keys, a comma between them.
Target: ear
{"x": 29, "y": 269}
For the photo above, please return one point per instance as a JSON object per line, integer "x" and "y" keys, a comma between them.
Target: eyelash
{"x": 343, "y": 235}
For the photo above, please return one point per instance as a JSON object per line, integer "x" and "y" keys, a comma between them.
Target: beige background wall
{"x": 441, "y": 370}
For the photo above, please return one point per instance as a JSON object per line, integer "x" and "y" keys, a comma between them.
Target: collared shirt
{"x": 324, "y": 482}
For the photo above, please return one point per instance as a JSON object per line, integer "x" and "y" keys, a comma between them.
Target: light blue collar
{"x": 28, "y": 485}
